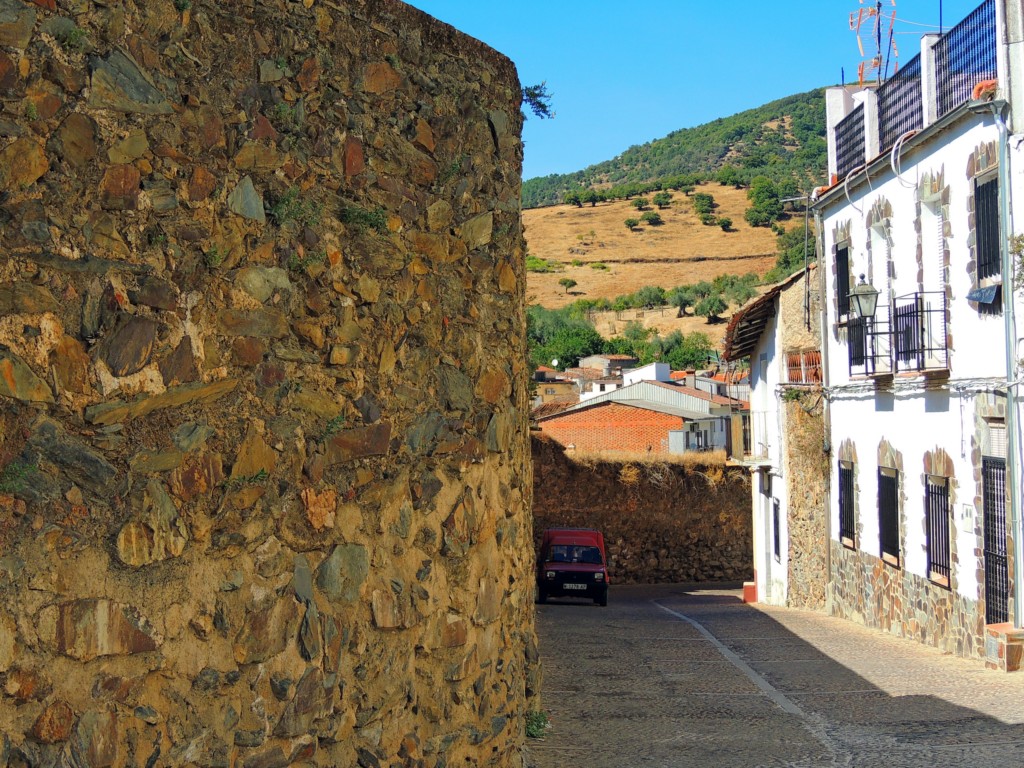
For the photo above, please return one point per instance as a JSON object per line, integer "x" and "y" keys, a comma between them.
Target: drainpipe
{"x": 825, "y": 404}
{"x": 1013, "y": 447}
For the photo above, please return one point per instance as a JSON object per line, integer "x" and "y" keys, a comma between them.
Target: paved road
{"x": 671, "y": 676}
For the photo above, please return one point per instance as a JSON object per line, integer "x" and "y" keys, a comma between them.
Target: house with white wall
{"x": 782, "y": 440}
{"x": 921, "y": 343}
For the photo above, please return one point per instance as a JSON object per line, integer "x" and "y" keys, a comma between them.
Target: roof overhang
{"x": 748, "y": 323}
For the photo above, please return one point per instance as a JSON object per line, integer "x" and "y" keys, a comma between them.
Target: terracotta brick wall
{"x": 613, "y": 427}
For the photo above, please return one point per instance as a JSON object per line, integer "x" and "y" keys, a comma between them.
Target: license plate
{"x": 575, "y": 586}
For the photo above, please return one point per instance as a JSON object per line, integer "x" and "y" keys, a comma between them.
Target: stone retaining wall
{"x": 662, "y": 522}
{"x": 264, "y": 478}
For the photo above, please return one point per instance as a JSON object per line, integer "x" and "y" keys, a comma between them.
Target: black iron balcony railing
{"x": 910, "y": 335}
{"x": 899, "y": 104}
{"x": 919, "y": 332}
{"x": 965, "y": 56}
{"x": 868, "y": 342}
{"x": 850, "y": 142}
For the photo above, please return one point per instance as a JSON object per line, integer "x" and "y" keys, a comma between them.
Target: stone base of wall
{"x": 866, "y": 590}
{"x": 1004, "y": 647}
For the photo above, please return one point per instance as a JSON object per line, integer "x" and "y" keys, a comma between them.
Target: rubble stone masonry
{"x": 265, "y": 484}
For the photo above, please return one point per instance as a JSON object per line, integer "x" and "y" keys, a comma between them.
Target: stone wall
{"x": 662, "y": 522}
{"x": 806, "y": 476}
{"x": 805, "y": 463}
{"x": 264, "y": 473}
{"x": 865, "y": 589}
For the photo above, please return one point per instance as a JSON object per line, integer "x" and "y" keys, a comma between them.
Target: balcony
{"x": 909, "y": 336}
{"x": 749, "y": 438}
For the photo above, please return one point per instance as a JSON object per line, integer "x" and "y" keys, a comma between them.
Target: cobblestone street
{"x": 671, "y": 676}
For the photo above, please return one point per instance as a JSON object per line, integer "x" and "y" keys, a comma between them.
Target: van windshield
{"x": 572, "y": 553}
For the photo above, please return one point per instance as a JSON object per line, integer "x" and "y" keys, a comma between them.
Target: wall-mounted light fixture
{"x": 864, "y": 299}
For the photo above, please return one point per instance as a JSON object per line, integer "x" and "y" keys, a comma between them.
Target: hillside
{"x": 784, "y": 139}
{"x": 680, "y": 251}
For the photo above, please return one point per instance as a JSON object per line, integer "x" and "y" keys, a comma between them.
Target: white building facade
{"x": 783, "y": 440}
{"x": 922, "y": 410}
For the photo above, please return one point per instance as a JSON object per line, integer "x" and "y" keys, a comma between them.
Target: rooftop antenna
{"x": 871, "y": 19}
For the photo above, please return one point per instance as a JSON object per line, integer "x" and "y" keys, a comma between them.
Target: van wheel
{"x": 602, "y": 600}
{"x": 542, "y": 596}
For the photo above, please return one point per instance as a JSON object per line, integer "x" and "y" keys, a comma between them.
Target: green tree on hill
{"x": 649, "y": 296}
{"x": 632, "y": 223}
{"x": 663, "y": 199}
{"x": 765, "y": 206}
{"x": 652, "y": 219}
{"x": 703, "y": 203}
{"x": 641, "y": 203}
{"x": 573, "y": 197}
{"x": 591, "y": 196}
{"x": 568, "y": 283}
{"x": 711, "y": 307}
{"x": 681, "y": 298}
{"x": 729, "y": 176}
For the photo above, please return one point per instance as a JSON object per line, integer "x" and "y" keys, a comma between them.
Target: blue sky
{"x": 623, "y": 74}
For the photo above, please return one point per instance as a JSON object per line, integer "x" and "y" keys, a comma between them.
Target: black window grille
{"x": 776, "y": 533}
{"x": 937, "y": 513}
{"x": 986, "y": 227}
{"x": 899, "y": 104}
{"x": 997, "y": 574}
{"x": 850, "y": 142}
{"x": 889, "y": 513}
{"x": 846, "y": 523}
{"x": 965, "y": 56}
{"x": 908, "y": 333}
{"x": 857, "y": 341}
{"x": 843, "y": 280}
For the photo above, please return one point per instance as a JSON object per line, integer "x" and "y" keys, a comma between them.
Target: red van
{"x": 572, "y": 564}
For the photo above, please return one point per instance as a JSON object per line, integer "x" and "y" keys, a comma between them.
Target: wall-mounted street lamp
{"x": 864, "y": 299}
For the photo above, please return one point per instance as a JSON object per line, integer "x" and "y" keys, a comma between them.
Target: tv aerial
{"x": 873, "y": 22}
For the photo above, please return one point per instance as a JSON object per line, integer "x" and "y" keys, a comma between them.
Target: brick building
{"x": 644, "y": 416}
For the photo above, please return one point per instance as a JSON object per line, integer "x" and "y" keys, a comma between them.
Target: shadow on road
{"x": 676, "y": 675}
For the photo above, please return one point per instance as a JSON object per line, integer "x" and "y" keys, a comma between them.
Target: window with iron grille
{"x": 803, "y": 367}
{"x": 997, "y": 574}
{"x": 857, "y": 341}
{"x": 889, "y": 515}
{"x": 937, "y": 527}
{"x": 776, "y": 533}
{"x": 846, "y": 521}
{"x": 986, "y": 223}
{"x": 843, "y": 280}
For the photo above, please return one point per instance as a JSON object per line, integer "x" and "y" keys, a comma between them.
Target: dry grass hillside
{"x": 680, "y": 251}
